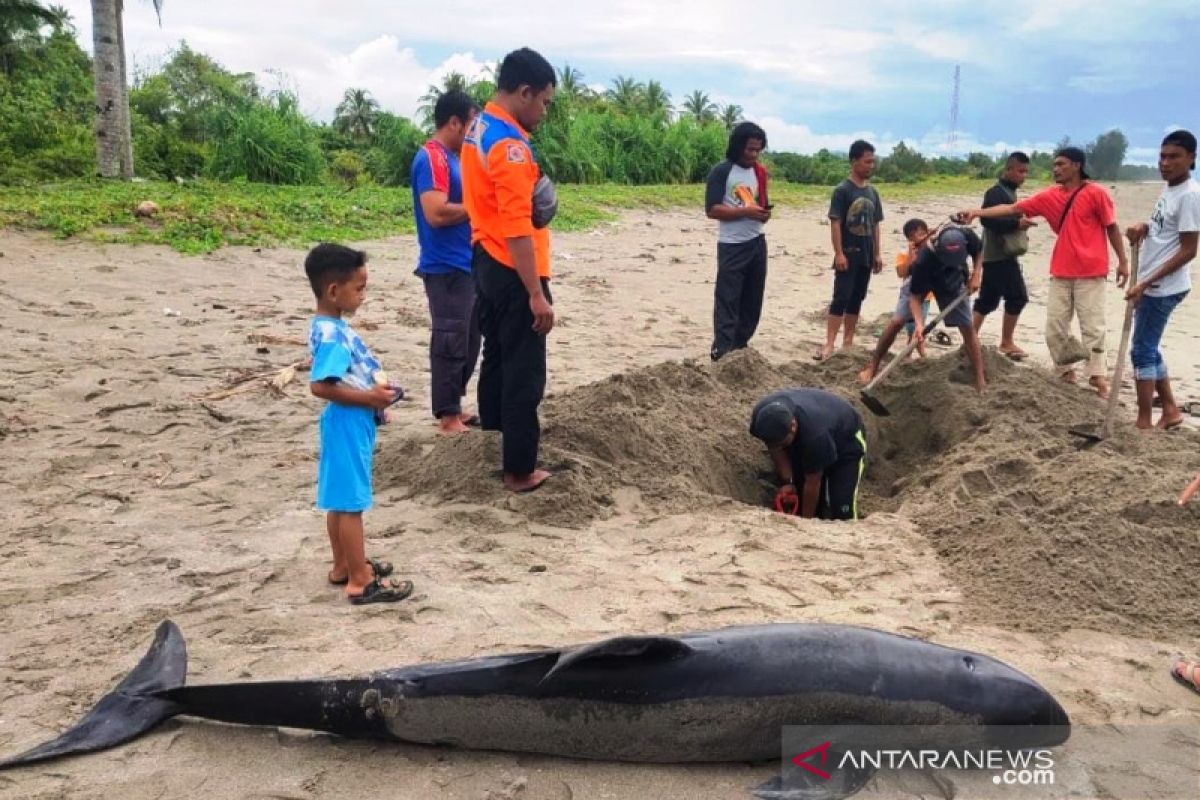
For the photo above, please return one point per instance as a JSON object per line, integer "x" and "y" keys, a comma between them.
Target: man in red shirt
{"x": 1081, "y": 214}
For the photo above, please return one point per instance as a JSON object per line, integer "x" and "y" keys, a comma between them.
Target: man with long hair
{"x": 736, "y": 196}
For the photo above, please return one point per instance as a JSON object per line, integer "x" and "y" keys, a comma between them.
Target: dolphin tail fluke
{"x": 129, "y": 710}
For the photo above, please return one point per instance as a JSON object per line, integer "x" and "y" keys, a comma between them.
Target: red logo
{"x": 822, "y": 750}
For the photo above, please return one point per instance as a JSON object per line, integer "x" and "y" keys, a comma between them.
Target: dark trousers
{"x": 738, "y": 297}
{"x": 512, "y": 377}
{"x": 454, "y": 340}
{"x": 839, "y": 484}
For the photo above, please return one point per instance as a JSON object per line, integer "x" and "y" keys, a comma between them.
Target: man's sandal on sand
{"x": 377, "y": 591}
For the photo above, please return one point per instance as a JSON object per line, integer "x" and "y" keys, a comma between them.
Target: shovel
{"x": 1091, "y": 437}
{"x": 874, "y": 403}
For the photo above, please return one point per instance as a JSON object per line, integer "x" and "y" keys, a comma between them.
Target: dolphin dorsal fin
{"x": 654, "y": 648}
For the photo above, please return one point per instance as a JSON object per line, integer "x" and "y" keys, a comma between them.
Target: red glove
{"x": 786, "y": 500}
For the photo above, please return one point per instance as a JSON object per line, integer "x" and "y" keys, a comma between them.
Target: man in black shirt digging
{"x": 941, "y": 268}
{"x": 817, "y": 442}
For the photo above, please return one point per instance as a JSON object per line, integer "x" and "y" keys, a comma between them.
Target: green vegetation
{"x": 229, "y": 163}
{"x": 201, "y": 216}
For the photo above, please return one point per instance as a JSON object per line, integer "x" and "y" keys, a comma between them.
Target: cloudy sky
{"x": 814, "y": 74}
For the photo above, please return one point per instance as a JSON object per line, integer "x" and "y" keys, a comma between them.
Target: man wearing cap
{"x": 818, "y": 444}
{"x": 1081, "y": 214}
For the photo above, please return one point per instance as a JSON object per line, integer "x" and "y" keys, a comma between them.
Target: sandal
{"x": 382, "y": 570}
{"x": 378, "y": 592}
{"x": 1188, "y": 680}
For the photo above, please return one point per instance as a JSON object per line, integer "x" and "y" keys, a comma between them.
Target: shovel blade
{"x": 874, "y": 403}
{"x": 1088, "y": 434}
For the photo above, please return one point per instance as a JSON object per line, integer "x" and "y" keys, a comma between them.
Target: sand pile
{"x": 1040, "y": 532}
{"x": 678, "y": 431}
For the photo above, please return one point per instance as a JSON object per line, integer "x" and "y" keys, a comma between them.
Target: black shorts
{"x": 1002, "y": 280}
{"x": 850, "y": 287}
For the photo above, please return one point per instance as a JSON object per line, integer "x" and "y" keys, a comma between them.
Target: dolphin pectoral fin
{"x": 802, "y": 785}
{"x": 129, "y": 710}
{"x": 635, "y": 648}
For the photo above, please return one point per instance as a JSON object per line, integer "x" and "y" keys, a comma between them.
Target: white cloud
{"x": 783, "y": 61}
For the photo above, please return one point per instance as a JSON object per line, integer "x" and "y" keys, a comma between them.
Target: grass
{"x": 204, "y": 216}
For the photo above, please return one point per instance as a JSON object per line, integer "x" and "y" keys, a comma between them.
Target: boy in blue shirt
{"x": 346, "y": 373}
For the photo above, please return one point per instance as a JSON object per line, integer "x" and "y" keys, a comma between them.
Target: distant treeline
{"x": 193, "y": 118}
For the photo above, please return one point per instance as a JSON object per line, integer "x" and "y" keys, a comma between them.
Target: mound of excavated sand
{"x": 1041, "y": 532}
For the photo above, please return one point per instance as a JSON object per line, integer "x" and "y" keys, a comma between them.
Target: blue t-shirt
{"x": 444, "y": 249}
{"x": 338, "y": 352}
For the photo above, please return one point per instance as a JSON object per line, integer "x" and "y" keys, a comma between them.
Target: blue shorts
{"x": 903, "y": 313}
{"x": 347, "y": 449}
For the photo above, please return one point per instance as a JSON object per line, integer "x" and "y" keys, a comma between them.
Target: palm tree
{"x": 453, "y": 82}
{"x": 730, "y": 115}
{"x": 21, "y": 19}
{"x": 700, "y": 107}
{"x": 570, "y": 84}
{"x": 114, "y": 140}
{"x": 356, "y": 114}
{"x": 655, "y": 98}
{"x": 626, "y": 94}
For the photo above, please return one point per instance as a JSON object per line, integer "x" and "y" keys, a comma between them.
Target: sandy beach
{"x": 155, "y": 475}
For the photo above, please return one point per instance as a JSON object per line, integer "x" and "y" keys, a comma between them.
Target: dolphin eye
{"x": 969, "y": 663}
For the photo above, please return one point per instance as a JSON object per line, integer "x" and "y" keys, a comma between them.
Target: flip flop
{"x": 1015, "y": 355}
{"x": 1191, "y": 667}
{"x": 1170, "y": 426}
{"x": 376, "y": 592}
{"x": 382, "y": 570}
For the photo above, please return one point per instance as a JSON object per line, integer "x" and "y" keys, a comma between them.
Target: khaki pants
{"x": 1067, "y": 298}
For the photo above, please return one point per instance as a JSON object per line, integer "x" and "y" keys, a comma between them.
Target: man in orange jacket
{"x": 511, "y": 260}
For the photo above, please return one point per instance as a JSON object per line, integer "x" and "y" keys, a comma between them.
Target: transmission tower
{"x": 952, "y": 140}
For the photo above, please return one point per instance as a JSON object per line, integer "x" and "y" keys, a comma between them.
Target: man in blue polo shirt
{"x": 444, "y": 234}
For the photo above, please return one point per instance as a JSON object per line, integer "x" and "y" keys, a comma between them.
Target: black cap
{"x": 1077, "y": 156}
{"x": 772, "y": 423}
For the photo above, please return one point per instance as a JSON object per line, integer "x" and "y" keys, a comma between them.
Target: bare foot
{"x": 452, "y": 425}
{"x": 525, "y": 483}
{"x": 868, "y": 373}
{"x": 1100, "y": 385}
{"x": 1166, "y": 423}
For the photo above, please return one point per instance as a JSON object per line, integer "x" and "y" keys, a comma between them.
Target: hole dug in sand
{"x": 1040, "y": 533}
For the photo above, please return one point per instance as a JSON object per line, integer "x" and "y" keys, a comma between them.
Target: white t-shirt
{"x": 739, "y": 230}
{"x": 1177, "y": 211}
